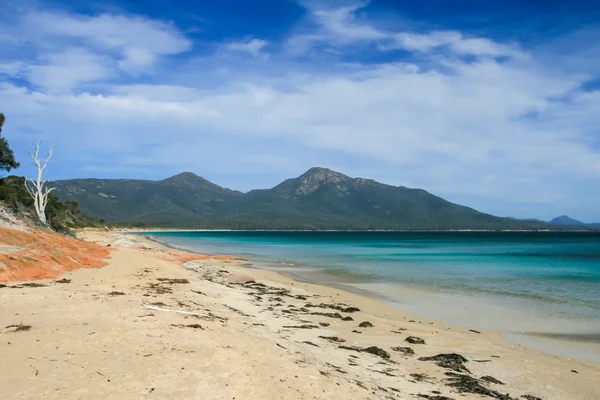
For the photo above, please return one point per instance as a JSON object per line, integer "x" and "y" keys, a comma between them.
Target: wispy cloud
{"x": 334, "y": 26}
{"x": 64, "y": 70}
{"x": 340, "y": 27}
{"x": 251, "y": 46}
{"x": 454, "y": 41}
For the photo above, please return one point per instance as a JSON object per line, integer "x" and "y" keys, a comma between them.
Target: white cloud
{"x": 64, "y": 51}
{"x": 62, "y": 71}
{"x": 12, "y": 68}
{"x": 455, "y": 41}
{"x": 340, "y": 26}
{"x": 342, "y": 23}
{"x": 137, "y": 41}
{"x": 334, "y": 26}
{"x": 253, "y": 47}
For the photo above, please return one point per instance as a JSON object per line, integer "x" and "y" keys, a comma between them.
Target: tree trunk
{"x": 38, "y": 189}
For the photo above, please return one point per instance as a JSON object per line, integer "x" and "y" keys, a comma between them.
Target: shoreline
{"x": 527, "y": 343}
{"x": 411, "y": 299}
{"x": 248, "y": 333}
{"x": 141, "y": 230}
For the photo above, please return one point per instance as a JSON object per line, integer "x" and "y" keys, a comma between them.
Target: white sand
{"x": 84, "y": 343}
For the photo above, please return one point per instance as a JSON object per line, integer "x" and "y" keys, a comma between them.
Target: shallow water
{"x": 545, "y": 285}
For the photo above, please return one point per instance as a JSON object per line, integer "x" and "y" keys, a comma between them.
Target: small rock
{"x": 365, "y": 324}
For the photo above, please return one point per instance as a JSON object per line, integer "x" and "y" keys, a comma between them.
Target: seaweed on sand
{"x": 19, "y": 328}
{"x": 467, "y": 384}
{"x": 414, "y": 340}
{"x": 451, "y": 361}
{"x": 407, "y": 351}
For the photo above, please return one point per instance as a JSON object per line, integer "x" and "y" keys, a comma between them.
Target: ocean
{"x": 538, "y": 288}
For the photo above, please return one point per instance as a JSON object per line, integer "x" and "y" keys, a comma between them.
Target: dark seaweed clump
{"x": 371, "y": 350}
{"x": 452, "y": 361}
{"x": 468, "y": 384}
{"x": 414, "y": 340}
{"x": 407, "y": 351}
{"x": 19, "y": 328}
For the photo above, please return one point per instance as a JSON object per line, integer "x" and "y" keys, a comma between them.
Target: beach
{"x": 162, "y": 323}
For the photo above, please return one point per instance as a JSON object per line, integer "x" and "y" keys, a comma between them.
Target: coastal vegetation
{"x": 61, "y": 216}
{"x": 7, "y": 156}
{"x": 32, "y": 198}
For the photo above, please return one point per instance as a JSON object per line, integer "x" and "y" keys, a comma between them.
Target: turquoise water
{"x": 553, "y": 274}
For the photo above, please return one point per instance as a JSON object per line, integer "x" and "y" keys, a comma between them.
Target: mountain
{"x": 183, "y": 197}
{"x": 318, "y": 199}
{"x": 566, "y": 220}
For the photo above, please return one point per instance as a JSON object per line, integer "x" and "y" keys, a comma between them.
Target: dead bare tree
{"x": 38, "y": 189}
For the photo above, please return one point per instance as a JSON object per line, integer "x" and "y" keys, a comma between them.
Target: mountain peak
{"x": 187, "y": 179}
{"x": 316, "y": 177}
{"x": 183, "y": 177}
{"x": 566, "y": 220}
{"x": 186, "y": 175}
{"x": 192, "y": 181}
{"x": 323, "y": 173}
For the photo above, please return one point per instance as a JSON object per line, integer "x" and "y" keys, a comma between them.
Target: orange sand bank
{"x": 182, "y": 257}
{"x": 44, "y": 255}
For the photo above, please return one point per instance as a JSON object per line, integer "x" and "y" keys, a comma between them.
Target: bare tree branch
{"x": 38, "y": 189}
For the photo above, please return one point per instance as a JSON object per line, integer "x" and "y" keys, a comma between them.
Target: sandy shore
{"x": 246, "y": 334}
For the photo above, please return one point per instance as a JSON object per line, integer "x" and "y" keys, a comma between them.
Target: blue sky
{"x": 491, "y": 104}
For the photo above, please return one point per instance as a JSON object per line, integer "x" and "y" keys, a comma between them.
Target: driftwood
{"x": 176, "y": 311}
